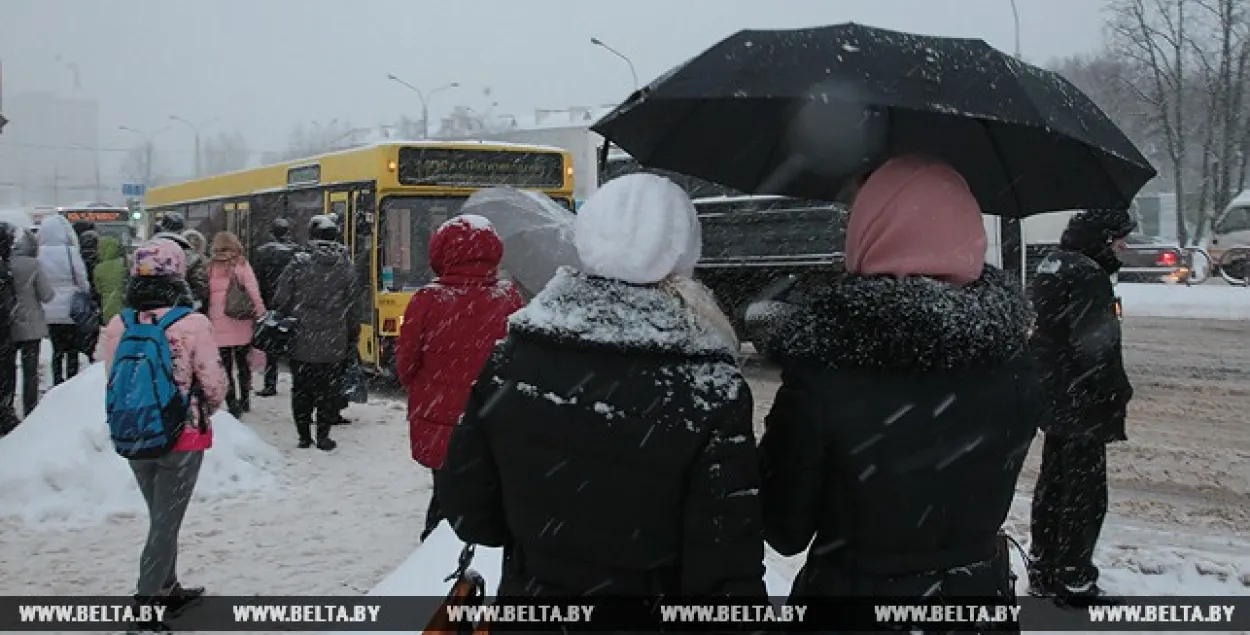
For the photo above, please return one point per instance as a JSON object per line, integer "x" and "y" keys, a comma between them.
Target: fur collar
{"x": 576, "y": 309}
{"x": 912, "y": 324}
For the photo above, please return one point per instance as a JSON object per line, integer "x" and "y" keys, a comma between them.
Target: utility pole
{"x": 633, "y": 73}
{"x": 195, "y": 128}
{"x": 1013, "y": 250}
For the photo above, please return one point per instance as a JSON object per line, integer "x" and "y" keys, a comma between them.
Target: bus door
{"x": 359, "y": 223}
{"x": 239, "y": 223}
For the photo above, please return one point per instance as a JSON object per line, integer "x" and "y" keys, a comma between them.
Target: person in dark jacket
{"x": 607, "y": 444}
{"x": 1078, "y": 347}
{"x": 269, "y": 262}
{"x": 450, "y": 327}
{"x": 906, "y": 404}
{"x": 28, "y": 328}
{"x": 171, "y": 227}
{"x": 89, "y": 248}
{"x": 318, "y": 289}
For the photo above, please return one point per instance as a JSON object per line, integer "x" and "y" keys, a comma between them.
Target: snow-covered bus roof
{"x": 734, "y": 199}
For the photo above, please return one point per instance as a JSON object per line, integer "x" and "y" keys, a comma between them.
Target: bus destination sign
{"x": 98, "y": 216}
{"x": 480, "y": 168}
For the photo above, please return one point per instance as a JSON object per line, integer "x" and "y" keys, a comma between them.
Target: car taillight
{"x": 1167, "y": 259}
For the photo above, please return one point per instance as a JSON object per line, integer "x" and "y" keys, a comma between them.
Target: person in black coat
{"x": 907, "y": 402}
{"x": 607, "y": 445}
{"x": 1078, "y": 347}
{"x": 269, "y": 262}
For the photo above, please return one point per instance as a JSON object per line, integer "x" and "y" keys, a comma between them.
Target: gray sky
{"x": 263, "y": 65}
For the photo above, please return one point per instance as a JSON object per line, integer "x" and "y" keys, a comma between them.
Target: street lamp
{"x": 633, "y": 73}
{"x": 1015, "y": 12}
{"x": 147, "y": 150}
{"x": 425, "y": 105}
{"x": 195, "y": 128}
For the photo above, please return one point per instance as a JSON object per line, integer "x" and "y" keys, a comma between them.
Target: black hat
{"x": 322, "y": 227}
{"x": 172, "y": 222}
{"x": 1108, "y": 224}
{"x": 280, "y": 227}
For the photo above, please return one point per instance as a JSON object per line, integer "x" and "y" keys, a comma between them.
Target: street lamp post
{"x": 195, "y": 129}
{"x": 633, "y": 73}
{"x": 1015, "y": 12}
{"x": 148, "y": 150}
{"x": 425, "y": 105}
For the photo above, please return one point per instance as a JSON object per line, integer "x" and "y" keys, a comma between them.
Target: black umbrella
{"x": 797, "y": 112}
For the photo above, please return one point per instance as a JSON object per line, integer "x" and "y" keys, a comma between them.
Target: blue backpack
{"x": 146, "y": 410}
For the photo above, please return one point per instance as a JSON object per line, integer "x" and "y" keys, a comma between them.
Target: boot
{"x": 245, "y": 404}
{"x": 178, "y": 598}
{"x": 268, "y": 391}
{"x": 324, "y": 442}
{"x": 147, "y": 626}
{"x": 305, "y": 434}
{"x": 232, "y": 405}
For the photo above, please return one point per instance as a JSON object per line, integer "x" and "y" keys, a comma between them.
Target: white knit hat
{"x": 639, "y": 228}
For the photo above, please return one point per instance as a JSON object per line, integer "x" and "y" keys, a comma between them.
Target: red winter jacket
{"x": 450, "y": 328}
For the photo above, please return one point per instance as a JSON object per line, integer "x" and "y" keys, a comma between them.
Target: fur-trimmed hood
{"x": 911, "y": 324}
{"x": 586, "y": 311}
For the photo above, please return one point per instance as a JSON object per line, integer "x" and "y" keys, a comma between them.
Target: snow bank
{"x": 1212, "y": 301}
{"x": 59, "y": 466}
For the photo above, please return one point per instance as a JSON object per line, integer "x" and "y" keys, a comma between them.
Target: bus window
{"x": 407, "y": 224}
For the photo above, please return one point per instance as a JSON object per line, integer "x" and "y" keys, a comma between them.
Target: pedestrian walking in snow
{"x": 904, "y": 413}
{"x": 318, "y": 289}
{"x": 63, "y": 265}
{"x": 157, "y": 285}
{"x": 607, "y": 444}
{"x": 198, "y": 242}
{"x": 1078, "y": 348}
{"x": 234, "y": 305}
{"x": 110, "y": 277}
{"x": 269, "y": 262}
{"x": 450, "y": 327}
{"x": 172, "y": 227}
{"x": 27, "y": 327}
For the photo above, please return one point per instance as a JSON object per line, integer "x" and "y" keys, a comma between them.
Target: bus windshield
{"x": 407, "y": 223}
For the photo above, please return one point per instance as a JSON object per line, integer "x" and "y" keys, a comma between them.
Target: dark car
{"x": 1149, "y": 260}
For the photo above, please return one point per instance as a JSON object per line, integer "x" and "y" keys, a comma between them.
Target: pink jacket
{"x": 195, "y": 355}
{"x": 229, "y": 331}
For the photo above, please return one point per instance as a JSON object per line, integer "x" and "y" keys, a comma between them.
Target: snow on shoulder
{"x": 576, "y": 307}
{"x": 59, "y": 466}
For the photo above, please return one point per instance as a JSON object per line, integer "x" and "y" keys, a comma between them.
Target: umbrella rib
{"x": 1002, "y": 161}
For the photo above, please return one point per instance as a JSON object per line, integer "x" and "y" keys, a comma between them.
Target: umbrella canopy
{"x": 799, "y": 112}
{"x": 537, "y": 233}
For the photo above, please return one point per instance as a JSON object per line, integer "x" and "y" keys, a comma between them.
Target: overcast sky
{"x": 264, "y": 65}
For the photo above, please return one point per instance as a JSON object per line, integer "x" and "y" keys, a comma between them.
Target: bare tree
{"x": 1152, "y": 36}
{"x": 225, "y": 152}
{"x": 317, "y": 138}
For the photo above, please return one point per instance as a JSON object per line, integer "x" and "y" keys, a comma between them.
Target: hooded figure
{"x": 234, "y": 335}
{"x": 319, "y": 290}
{"x": 1078, "y": 348}
{"x": 172, "y": 227}
{"x": 156, "y": 285}
{"x": 29, "y": 325}
{"x": 62, "y": 264}
{"x": 904, "y": 416}
{"x": 269, "y": 262}
{"x": 110, "y": 277}
{"x": 197, "y": 241}
{"x": 607, "y": 444}
{"x": 449, "y": 329}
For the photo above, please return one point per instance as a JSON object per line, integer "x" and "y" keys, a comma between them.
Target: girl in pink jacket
{"x": 157, "y": 284}
{"x": 234, "y": 336}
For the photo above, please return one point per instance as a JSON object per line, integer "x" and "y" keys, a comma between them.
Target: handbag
{"x": 275, "y": 334}
{"x": 82, "y": 307}
{"x": 468, "y": 589}
{"x": 239, "y": 304}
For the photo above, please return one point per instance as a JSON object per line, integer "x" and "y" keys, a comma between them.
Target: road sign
{"x": 134, "y": 190}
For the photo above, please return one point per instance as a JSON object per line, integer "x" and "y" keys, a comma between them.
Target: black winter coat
{"x": 269, "y": 261}
{"x": 1078, "y": 346}
{"x": 608, "y": 446}
{"x": 905, "y": 412}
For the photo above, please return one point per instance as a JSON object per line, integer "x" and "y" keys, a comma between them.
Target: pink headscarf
{"x": 915, "y": 216}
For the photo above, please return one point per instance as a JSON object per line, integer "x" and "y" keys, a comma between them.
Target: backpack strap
{"x": 129, "y": 317}
{"x": 173, "y": 315}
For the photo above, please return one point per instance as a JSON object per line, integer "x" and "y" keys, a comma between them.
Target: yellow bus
{"x": 388, "y": 199}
